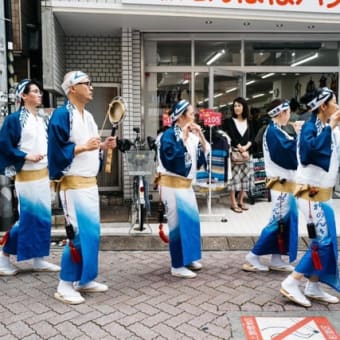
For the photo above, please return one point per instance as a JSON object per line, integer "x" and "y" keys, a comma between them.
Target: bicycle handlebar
{"x": 125, "y": 144}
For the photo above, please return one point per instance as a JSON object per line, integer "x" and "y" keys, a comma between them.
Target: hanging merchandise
{"x": 297, "y": 88}
{"x": 217, "y": 172}
{"x": 323, "y": 81}
{"x": 310, "y": 86}
{"x": 258, "y": 188}
{"x": 334, "y": 83}
{"x": 216, "y": 175}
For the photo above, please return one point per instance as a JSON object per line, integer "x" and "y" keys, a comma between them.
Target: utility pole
{"x": 10, "y": 57}
{"x": 3, "y": 65}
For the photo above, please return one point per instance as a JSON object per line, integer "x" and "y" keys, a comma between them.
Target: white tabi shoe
{"x": 67, "y": 294}
{"x": 314, "y": 291}
{"x": 278, "y": 264}
{"x": 6, "y": 267}
{"x": 91, "y": 287}
{"x": 183, "y": 272}
{"x": 290, "y": 289}
{"x": 39, "y": 265}
{"x": 254, "y": 264}
{"x": 194, "y": 265}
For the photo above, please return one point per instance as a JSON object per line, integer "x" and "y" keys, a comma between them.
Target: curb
{"x": 150, "y": 242}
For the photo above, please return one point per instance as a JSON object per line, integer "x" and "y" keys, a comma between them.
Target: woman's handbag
{"x": 239, "y": 158}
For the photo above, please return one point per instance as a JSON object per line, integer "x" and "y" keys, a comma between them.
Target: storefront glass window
{"x": 264, "y": 87}
{"x": 164, "y": 89}
{"x": 202, "y": 90}
{"x": 168, "y": 53}
{"x": 284, "y": 53}
{"x": 226, "y": 88}
{"x": 217, "y": 53}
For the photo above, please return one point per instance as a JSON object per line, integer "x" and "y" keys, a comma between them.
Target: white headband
{"x": 73, "y": 78}
{"x": 20, "y": 90}
{"x": 324, "y": 95}
{"x": 276, "y": 110}
{"x": 178, "y": 110}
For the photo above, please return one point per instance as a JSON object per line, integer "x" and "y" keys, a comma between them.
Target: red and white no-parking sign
{"x": 275, "y": 328}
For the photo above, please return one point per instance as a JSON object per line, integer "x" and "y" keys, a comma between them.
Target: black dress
{"x": 241, "y": 173}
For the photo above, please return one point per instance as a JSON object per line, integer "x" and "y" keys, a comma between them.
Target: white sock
{"x": 291, "y": 280}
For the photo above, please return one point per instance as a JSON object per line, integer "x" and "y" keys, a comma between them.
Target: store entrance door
{"x": 98, "y": 107}
{"x": 224, "y": 87}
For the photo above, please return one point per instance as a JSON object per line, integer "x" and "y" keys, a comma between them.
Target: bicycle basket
{"x": 140, "y": 162}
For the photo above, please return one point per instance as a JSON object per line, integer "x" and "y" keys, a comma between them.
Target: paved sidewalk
{"x": 239, "y": 232}
{"x": 145, "y": 302}
{"x": 248, "y": 223}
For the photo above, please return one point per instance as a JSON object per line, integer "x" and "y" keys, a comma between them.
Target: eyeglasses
{"x": 87, "y": 83}
{"x": 38, "y": 92}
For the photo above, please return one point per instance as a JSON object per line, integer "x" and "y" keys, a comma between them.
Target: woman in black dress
{"x": 239, "y": 129}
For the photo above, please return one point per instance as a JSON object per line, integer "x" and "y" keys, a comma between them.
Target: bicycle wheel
{"x": 141, "y": 216}
{"x": 135, "y": 201}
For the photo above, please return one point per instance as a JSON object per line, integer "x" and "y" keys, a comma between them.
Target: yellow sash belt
{"x": 311, "y": 193}
{"x": 175, "y": 182}
{"x": 274, "y": 183}
{"x": 77, "y": 182}
{"x": 31, "y": 175}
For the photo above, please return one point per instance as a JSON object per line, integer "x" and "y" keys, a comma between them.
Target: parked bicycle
{"x": 141, "y": 163}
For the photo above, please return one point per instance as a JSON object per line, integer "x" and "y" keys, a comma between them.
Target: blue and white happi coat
{"x": 175, "y": 159}
{"x": 68, "y": 128}
{"x": 24, "y": 133}
{"x": 279, "y": 151}
{"x": 318, "y": 148}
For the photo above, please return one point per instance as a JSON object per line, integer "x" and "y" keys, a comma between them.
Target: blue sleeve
{"x": 60, "y": 150}
{"x": 315, "y": 149}
{"x": 282, "y": 150}
{"x": 10, "y": 135}
{"x": 172, "y": 154}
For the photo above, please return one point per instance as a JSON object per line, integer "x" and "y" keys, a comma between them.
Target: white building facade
{"x": 153, "y": 52}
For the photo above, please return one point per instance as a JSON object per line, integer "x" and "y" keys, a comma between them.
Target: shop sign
{"x": 166, "y": 120}
{"x": 187, "y": 76}
{"x": 314, "y": 6}
{"x": 210, "y": 117}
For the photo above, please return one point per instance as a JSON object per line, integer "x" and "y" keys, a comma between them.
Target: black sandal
{"x": 243, "y": 207}
{"x": 236, "y": 209}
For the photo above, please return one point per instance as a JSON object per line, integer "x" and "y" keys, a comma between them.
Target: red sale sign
{"x": 166, "y": 120}
{"x": 212, "y": 118}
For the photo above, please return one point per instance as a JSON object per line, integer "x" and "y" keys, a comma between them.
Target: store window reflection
{"x": 171, "y": 87}
{"x": 201, "y": 90}
{"x": 263, "y": 87}
{"x": 218, "y": 53}
{"x": 163, "y": 89}
{"x": 283, "y": 53}
{"x": 226, "y": 88}
{"x": 168, "y": 53}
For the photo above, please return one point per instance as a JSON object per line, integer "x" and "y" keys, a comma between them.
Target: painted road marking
{"x": 273, "y": 328}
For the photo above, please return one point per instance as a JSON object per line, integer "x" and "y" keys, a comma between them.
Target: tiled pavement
{"x": 145, "y": 302}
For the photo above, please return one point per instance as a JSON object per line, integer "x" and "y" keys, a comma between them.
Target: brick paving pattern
{"x": 144, "y": 301}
